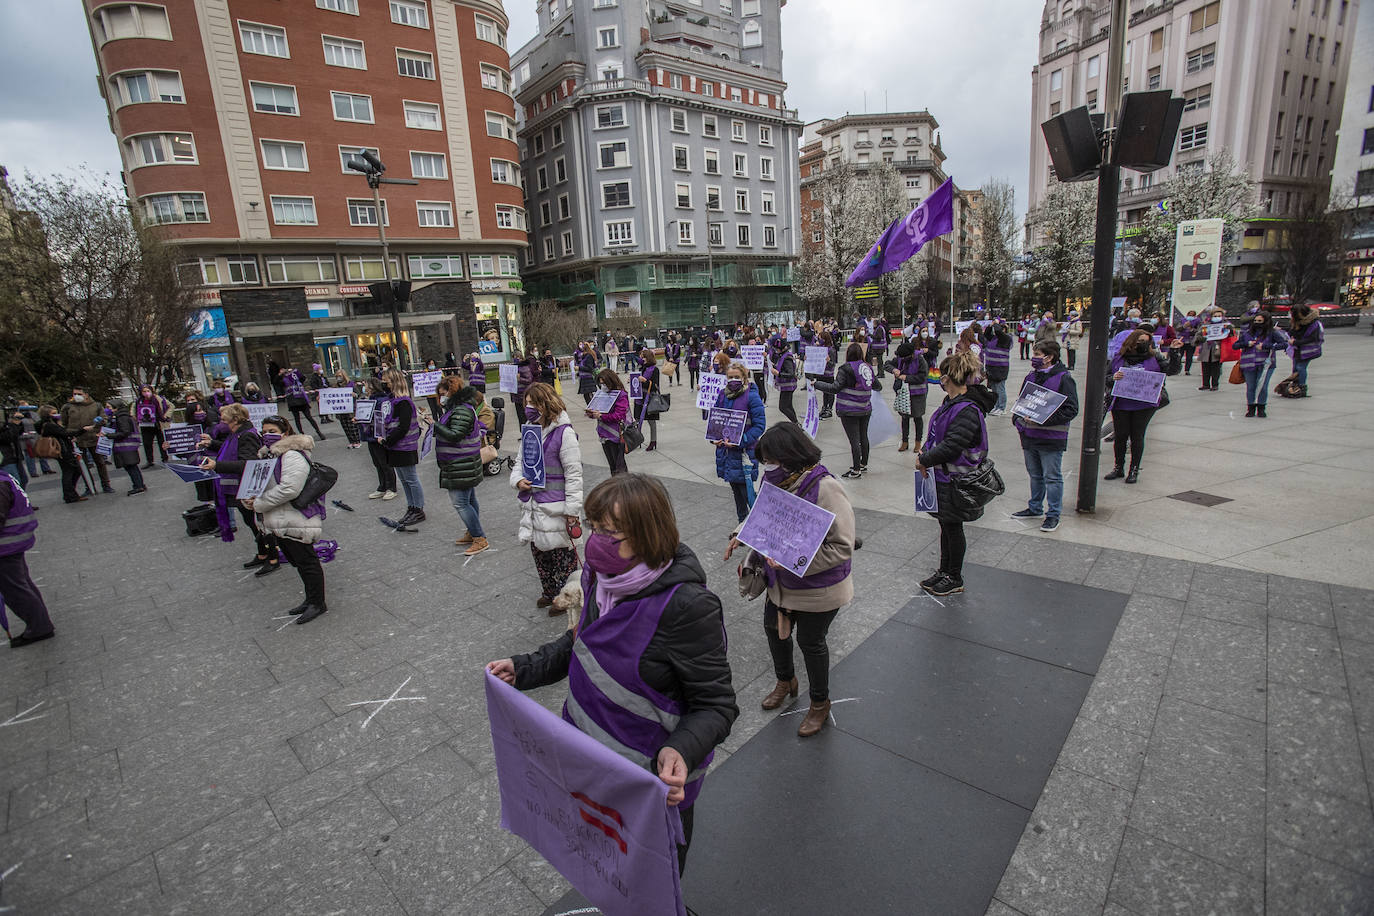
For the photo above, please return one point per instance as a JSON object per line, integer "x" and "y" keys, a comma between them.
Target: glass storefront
{"x": 376, "y": 348}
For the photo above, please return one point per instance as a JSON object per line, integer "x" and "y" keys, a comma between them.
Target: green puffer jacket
{"x": 461, "y": 410}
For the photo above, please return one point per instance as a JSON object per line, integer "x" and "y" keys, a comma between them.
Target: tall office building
{"x": 1262, "y": 79}
{"x": 236, "y": 120}
{"x": 660, "y": 162}
{"x": 1353, "y": 172}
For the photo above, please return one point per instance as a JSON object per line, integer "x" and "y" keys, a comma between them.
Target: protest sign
{"x": 182, "y": 438}
{"x": 1218, "y": 331}
{"x": 785, "y": 528}
{"x": 602, "y": 821}
{"x": 256, "y": 477}
{"x": 815, "y": 360}
{"x": 424, "y": 384}
{"x": 636, "y": 387}
{"x": 336, "y": 400}
{"x": 532, "y": 454}
{"x": 1139, "y": 385}
{"x": 379, "y": 417}
{"x": 1037, "y": 403}
{"x": 926, "y": 499}
{"x": 793, "y": 335}
{"x": 510, "y": 378}
{"x": 189, "y": 472}
{"x": 960, "y": 326}
{"x": 104, "y": 446}
{"x": 812, "y": 421}
{"x": 259, "y": 412}
{"x": 723, "y": 423}
{"x": 753, "y": 356}
{"x": 709, "y": 388}
{"x": 362, "y": 411}
{"x": 603, "y": 401}
{"x": 427, "y": 442}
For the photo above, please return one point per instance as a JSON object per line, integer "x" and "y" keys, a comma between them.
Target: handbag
{"x": 978, "y": 487}
{"x": 1237, "y": 377}
{"x": 47, "y": 447}
{"x": 903, "y": 400}
{"x": 631, "y": 436}
{"x": 670, "y": 368}
{"x": 752, "y": 579}
{"x": 488, "y": 454}
{"x": 657, "y": 404}
{"x": 317, "y": 483}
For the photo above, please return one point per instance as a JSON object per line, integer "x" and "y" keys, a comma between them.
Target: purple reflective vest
{"x": 1269, "y": 344}
{"x": 608, "y": 698}
{"x": 471, "y": 447}
{"x": 477, "y": 374}
{"x": 809, "y": 489}
{"x": 554, "y": 487}
{"x": 1308, "y": 343}
{"x": 969, "y": 458}
{"x": 295, "y": 388}
{"x": 783, "y": 382}
{"x": 854, "y": 402}
{"x": 880, "y": 335}
{"x": 410, "y": 441}
{"x": 996, "y": 355}
{"x": 17, "y": 533}
{"x": 1029, "y": 428}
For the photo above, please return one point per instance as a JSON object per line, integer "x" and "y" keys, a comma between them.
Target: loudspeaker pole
{"x": 1104, "y": 261}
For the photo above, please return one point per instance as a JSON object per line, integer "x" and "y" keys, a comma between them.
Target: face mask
{"x": 270, "y": 439}
{"x": 735, "y": 385}
{"x": 78, "y": 398}
{"x": 219, "y": 391}
{"x": 531, "y": 415}
{"x": 1216, "y": 319}
{"x": 1037, "y": 363}
{"x": 775, "y": 474}
{"x": 603, "y": 555}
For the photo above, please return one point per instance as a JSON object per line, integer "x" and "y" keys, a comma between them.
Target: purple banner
{"x": 601, "y": 821}
{"x": 785, "y": 528}
{"x": 1139, "y": 385}
{"x": 932, "y": 218}
{"x": 722, "y": 423}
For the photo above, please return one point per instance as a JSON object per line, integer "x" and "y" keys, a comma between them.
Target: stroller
{"x": 497, "y": 464}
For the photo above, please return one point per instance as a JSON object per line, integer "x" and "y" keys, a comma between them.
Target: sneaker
{"x": 389, "y": 494}
{"x": 466, "y": 539}
{"x": 1051, "y": 523}
{"x": 1027, "y": 513}
{"x": 946, "y": 585}
{"x": 931, "y": 579}
{"x": 376, "y": 494}
{"x": 853, "y": 474}
{"x": 478, "y": 545}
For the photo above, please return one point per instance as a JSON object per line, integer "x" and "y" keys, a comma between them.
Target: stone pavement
{"x": 176, "y": 750}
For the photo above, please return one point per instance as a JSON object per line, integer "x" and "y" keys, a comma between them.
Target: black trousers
{"x": 1188, "y": 351}
{"x": 878, "y": 358}
{"x": 296, "y": 412}
{"x": 810, "y": 628}
{"x": 763, "y": 389}
{"x": 953, "y": 546}
{"x": 102, "y": 468}
{"x": 586, "y": 397}
{"x": 907, "y": 420}
{"x": 686, "y": 815}
{"x": 1211, "y": 374}
{"x": 856, "y": 429}
{"x": 386, "y": 474}
{"x": 785, "y": 405}
{"x": 741, "y": 494}
{"x": 1073, "y": 357}
{"x": 693, "y": 371}
{"x": 1025, "y": 349}
{"x": 151, "y": 434}
{"x": 307, "y": 563}
{"x": 22, "y": 596}
{"x": 1129, "y": 427}
{"x": 71, "y": 475}
{"x": 615, "y": 456}
{"x": 266, "y": 541}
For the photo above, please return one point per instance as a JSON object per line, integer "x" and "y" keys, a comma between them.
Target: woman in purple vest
{"x": 650, "y": 633}
{"x": 398, "y": 430}
{"x": 18, "y": 593}
{"x": 650, "y": 382}
{"x": 1308, "y": 336}
{"x": 550, "y": 514}
{"x": 785, "y": 380}
{"x": 806, "y": 603}
{"x": 294, "y": 530}
{"x": 738, "y": 394}
{"x": 298, "y": 401}
{"x": 1259, "y": 345}
{"x": 997, "y": 362}
{"x": 957, "y": 443}
{"x": 149, "y": 413}
{"x": 854, "y": 381}
{"x": 1043, "y": 444}
{"x": 1129, "y": 417}
{"x": 374, "y": 390}
{"x": 477, "y": 371}
{"x": 125, "y": 436}
{"x": 909, "y": 369}
{"x": 458, "y": 440}
{"x": 220, "y": 397}
{"x": 610, "y": 423}
{"x": 239, "y": 445}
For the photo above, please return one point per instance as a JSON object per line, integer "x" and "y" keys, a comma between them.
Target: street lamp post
{"x": 372, "y": 168}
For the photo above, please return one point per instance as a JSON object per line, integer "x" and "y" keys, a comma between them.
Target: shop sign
{"x": 317, "y": 292}
{"x": 360, "y": 290}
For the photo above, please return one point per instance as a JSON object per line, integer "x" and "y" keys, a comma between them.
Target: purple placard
{"x": 1037, "y": 403}
{"x": 636, "y": 387}
{"x": 603, "y": 822}
{"x": 183, "y": 439}
{"x": 927, "y": 498}
{"x": 1139, "y": 385}
{"x": 785, "y": 528}
{"x": 727, "y": 424}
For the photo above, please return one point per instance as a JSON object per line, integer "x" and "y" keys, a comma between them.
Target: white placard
{"x": 510, "y": 378}
{"x": 811, "y": 422}
{"x": 424, "y": 384}
{"x": 336, "y": 400}
{"x": 259, "y": 412}
{"x": 362, "y": 411}
{"x": 256, "y": 476}
{"x": 754, "y": 356}
{"x": 603, "y": 401}
{"x": 709, "y": 389}
{"x": 816, "y": 358}
{"x": 1218, "y": 331}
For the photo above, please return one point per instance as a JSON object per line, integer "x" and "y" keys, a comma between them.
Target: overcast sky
{"x": 967, "y": 61}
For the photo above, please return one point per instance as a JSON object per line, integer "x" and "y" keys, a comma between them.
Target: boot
{"x": 1134, "y": 474}
{"x": 815, "y": 719}
{"x": 783, "y": 690}
{"x": 905, "y": 446}
{"x": 464, "y": 540}
{"x": 1250, "y": 410}
{"x": 478, "y": 545}
{"x": 1259, "y": 411}
{"x": 1114, "y": 473}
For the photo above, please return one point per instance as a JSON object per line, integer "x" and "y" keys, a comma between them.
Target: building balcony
{"x": 696, "y": 32}
{"x": 863, "y": 144}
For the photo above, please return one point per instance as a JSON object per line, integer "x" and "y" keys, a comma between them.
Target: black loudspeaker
{"x": 1149, "y": 123}
{"x": 1073, "y": 144}
{"x": 381, "y": 292}
{"x": 401, "y": 290}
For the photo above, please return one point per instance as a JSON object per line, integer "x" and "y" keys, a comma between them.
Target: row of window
{"x": 621, "y": 234}
{"x": 1301, "y": 132}
{"x": 242, "y": 270}
{"x": 289, "y": 210}
{"x": 271, "y": 41}
{"x": 563, "y": 7}
{"x": 1196, "y": 61}
{"x": 403, "y": 12}
{"x": 616, "y": 154}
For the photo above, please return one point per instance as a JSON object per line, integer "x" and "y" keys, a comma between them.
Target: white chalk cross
{"x": 18, "y": 719}
{"x": 384, "y": 703}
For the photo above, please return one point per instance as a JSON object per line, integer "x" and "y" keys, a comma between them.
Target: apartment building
{"x": 1353, "y": 172}
{"x": 236, "y": 120}
{"x": 658, "y": 155}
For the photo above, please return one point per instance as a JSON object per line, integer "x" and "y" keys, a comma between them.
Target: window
{"x": 1094, "y": 66}
{"x": 715, "y": 234}
{"x": 1303, "y": 91}
{"x": 610, "y": 72}
{"x": 564, "y": 207}
{"x": 1326, "y": 125}
{"x": 742, "y": 235}
{"x": 1321, "y": 47}
{"x": 675, "y": 81}
{"x": 766, "y": 167}
{"x": 751, "y": 34}
{"x": 686, "y": 232}
{"x": 1308, "y": 52}
{"x": 741, "y": 165}
{"x": 183, "y": 207}
{"x": 360, "y": 269}
{"x": 557, "y": 132}
{"x": 620, "y": 232}
{"x": 708, "y": 90}
{"x": 541, "y": 175}
{"x": 1340, "y": 18}
{"x": 339, "y": 6}
{"x": 545, "y": 214}
{"x": 257, "y": 38}
{"x": 1201, "y": 97}
{"x": 708, "y": 126}
{"x": 1152, "y": 78}
{"x": 293, "y": 211}
{"x": 273, "y": 99}
{"x": 681, "y": 162}
{"x": 150, "y": 86}
{"x": 608, "y": 37}
{"x": 1193, "y": 137}
{"x": 348, "y": 152}
{"x": 713, "y": 198}
{"x": 749, "y": 8}
{"x": 498, "y": 125}
{"x": 494, "y": 77}
{"x": 548, "y": 248}
{"x": 243, "y": 270}
{"x": 1201, "y": 59}
{"x": 741, "y": 200}
{"x": 679, "y": 121}
{"x": 425, "y": 116}
{"x": 297, "y": 269}
{"x": 610, "y": 116}
{"x": 507, "y": 265}
{"x": 160, "y": 149}
{"x": 489, "y": 30}
{"x": 409, "y": 12}
{"x": 683, "y": 193}
{"x": 416, "y": 64}
{"x": 765, "y": 135}
{"x": 351, "y": 107}
{"x": 504, "y": 171}
{"x": 614, "y": 155}
{"x": 567, "y": 245}
{"x": 538, "y": 143}
{"x": 1054, "y": 110}
{"x": 481, "y": 265}
{"x": 1335, "y": 52}
{"x": 766, "y": 204}
{"x": 434, "y": 214}
{"x": 711, "y": 158}
{"x": 603, "y": 4}
{"x": 363, "y": 212}
{"x": 770, "y": 236}
{"x": 428, "y": 165}
{"x": 1204, "y": 16}
{"x": 1156, "y": 41}
{"x": 615, "y": 194}
{"x": 1368, "y": 146}
{"x": 1364, "y": 182}
{"x": 737, "y": 131}
{"x": 134, "y": 20}
{"x": 288, "y": 155}
{"x": 560, "y": 170}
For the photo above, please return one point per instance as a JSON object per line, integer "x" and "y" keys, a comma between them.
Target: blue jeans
{"x": 409, "y": 476}
{"x": 16, "y": 471}
{"x": 36, "y": 464}
{"x": 1257, "y": 384}
{"x": 1001, "y": 389}
{"x": 465, "y": 501}
{"x": 1300, "y": 367}
{"x": 1046, "y": 480}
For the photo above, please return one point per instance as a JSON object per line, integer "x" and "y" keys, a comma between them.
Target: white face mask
{"x": 78, "y": 398}
{"x": 770, "y": 468}
{"x": 1216, "y": 319}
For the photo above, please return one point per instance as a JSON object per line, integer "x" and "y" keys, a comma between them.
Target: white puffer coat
{"x": 273, "y": 507}
{"x": 543, "y": 523}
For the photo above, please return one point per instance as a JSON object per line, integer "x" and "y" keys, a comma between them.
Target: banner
{"x": 424, "y": 384}
{"x": 362, "y": 411}
{"x": 1139, "y": 385}
{"x": 510, "y": 378}
{"x": 189, "y": 472}
{"x": 709, "y": 388}
{"x": 753, "y": 356}
{"x": 812, "y": 421}
{"x": 603, "y": 401}
{"x": 636, "y": 387}
{"x": 815, "y": 360}
{"x": 532, "y": 454}
{"x": 725, "y": 424}
{"x": 256, "y": 477}
{"x": 182, "y": 438}
{"x": 793, "y": 335}
{"x": 336, "y": 400}
{"x": 1218, "y": 331}
{"x": 1197, "y": 262}
{"x": 104, "y": 446}
{"x": 785, "y": 528}
{"x": 603, "y": 822}
{"x": 932, "y": 218}
{"x": 259, "y": 412}
{"x": 1037, "y": 403}
{"x": 926, "y": 498}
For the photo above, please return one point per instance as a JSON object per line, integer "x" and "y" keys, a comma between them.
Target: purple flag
{"x": 599, "y": 819}
{"x": 933, "y": 217}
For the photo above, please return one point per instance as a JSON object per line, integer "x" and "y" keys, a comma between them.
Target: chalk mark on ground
{"x": 384, "y": 703}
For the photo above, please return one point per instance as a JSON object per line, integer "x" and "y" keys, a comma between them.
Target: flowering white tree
{"x": 1063, "y": 262}
{"x": 995, "y": 243}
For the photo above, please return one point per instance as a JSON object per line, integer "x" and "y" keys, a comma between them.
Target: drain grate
{"x": 1201, "y": 499}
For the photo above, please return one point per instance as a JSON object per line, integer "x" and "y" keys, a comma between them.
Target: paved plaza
{"x": 176, "y": 749}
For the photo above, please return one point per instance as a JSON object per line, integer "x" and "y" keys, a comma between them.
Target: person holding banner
{"x": 298, "y": 401}
{"x": 350, "y": 425}
{"x": 646, "y": 665}
{"x": 458, "y": 440}
{"x": 853, "y": 386}
{"x": 738, "y": 394}
{"x": 807, "y": 603}
{"x": 1212, "y": 331}
{"x": 549, "y": 514}
{"x": 294, "y": 530}
{"x": 399, "y": 434}
{"x": 1259, "y": 346}
{"x": 650, "y": 384}
{"x": 610, "y": 423}
{"x": 1043, "y": 443}
{"x": 826, "y": 339}
{"x": 240, "y": 445}
{"x": 1130, "y": 417}
{"x": 584, "y": 362}
{"x": 375, "y": 396}
{"x": 124, "y": 435}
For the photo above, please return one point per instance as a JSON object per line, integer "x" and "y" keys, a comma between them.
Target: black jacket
{"x": 685, "y": 660}
{"x": 65, "y": 438}
{"x": 11, "y": 443}
{"x": 250, "y": 442}
{"x": 962, "y": 434}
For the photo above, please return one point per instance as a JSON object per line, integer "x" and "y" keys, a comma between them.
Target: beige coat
{"x": 837, "y": 547}
{"x": 274, "y": 507}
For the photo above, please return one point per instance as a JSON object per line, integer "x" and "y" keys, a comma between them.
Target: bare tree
{"x": 548, "y": 324}
{"x": 824, "y": 266}
{"x": 996, "y": 242}
{"x": 1064, "y": 220}
{"x": 1314, "y": 243}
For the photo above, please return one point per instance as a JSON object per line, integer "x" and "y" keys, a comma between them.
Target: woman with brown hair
{"x": 1130, "y": 417}
{"x": 646, "y": 666}
{"x": 239, "y": 445}
{"x": 610, "y": 424}
{"x": 397, "y": 426}
{"x": 549, "y": 514}
{"x": 651, "y": 383}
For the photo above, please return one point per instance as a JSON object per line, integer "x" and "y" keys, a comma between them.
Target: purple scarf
{"x": 610, "y": 590}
